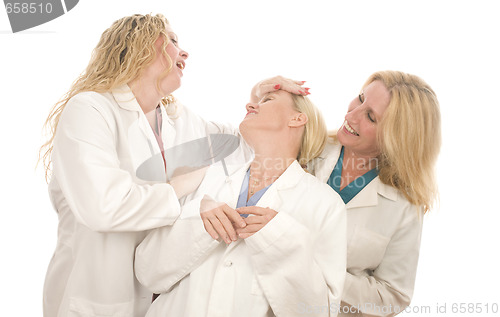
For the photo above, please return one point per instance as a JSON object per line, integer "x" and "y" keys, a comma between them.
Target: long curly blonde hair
{"x": 123, "y": 51}
{"x": 409, "y": 137}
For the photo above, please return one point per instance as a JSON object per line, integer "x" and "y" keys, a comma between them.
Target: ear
{"x": 298, "y": 120}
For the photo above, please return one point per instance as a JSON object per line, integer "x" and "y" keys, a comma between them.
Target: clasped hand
{"x": 222, "y": 221}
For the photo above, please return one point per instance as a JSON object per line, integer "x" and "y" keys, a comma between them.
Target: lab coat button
{"x": 228, "y": 263}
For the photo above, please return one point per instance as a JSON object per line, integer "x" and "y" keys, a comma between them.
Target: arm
{"x": 101, "y": 194}
{"x": 170, "y": 253}
{"x": 390, "y": 288}
{"x": 300, "y": 274}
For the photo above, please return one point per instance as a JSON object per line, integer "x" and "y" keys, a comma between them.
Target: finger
{"x": 226, "y": 224}
{"x": 210, "y": 229}
{"x": 294, "y": 88}
{"x": 250, "y": 228}
{"x": 267, "y": 88}
{"x": 246, "y": 235}
{"x": 254, "y": 220}
{"x": 234, "y": 216}
{"x": 219, "y": 228}
{"x": 253, "y": 210}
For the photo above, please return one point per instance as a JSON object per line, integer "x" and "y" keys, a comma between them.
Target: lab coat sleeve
{"x": 244, "y": 152}
{"x": 301, "y": 272}
{"x": 170, "y": 253}
{"x": 390, "y": 288}
{"x": 101, "y": 195}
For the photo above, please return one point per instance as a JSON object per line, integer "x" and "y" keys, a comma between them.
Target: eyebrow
{"x": 377, "y": 115}
{"x": 172, "y": 34}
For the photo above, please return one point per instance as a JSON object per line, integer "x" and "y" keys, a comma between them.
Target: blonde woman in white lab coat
{"x": 213, "y": 262}
{"x": 381, "y": 161}
{"x": 108, "y": 182}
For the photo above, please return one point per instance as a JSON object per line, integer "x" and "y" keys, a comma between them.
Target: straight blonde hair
{"x": 409, "y": 137}
{"x": 315, "y": 132}
{"x": 123, "y": 51}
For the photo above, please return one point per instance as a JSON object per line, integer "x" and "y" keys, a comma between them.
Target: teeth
{"x": 180, "y": 65}
{"x": 350, "y": 129}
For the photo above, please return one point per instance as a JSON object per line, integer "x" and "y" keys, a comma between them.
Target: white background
{"x": 334, "y": 46}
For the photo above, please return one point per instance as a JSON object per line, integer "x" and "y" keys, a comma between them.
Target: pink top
{"x": 157, "y": 132}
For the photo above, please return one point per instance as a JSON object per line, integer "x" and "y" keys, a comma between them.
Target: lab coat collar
{"x": 271, "y": 197}
{"x": 326, "y": 161}
{"x": 366, "y": 197}
{"x": 126, "y": 98}
{"x": 290, "y": 177}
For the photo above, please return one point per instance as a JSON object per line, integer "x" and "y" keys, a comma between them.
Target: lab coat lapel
{"x": 325, "y": 163}
{"x": 168, "y": 132}
{"x": 271, "y": 197}
{"x": 370, "y": 195}
{"x": 289, "y": 179}
{"x": 367, "y": 197}
{"x": 235, "y": 182}
{"x": 152, "y": 168}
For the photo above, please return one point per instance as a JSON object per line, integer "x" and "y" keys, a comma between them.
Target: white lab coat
{"x": 294, "y": 266}
{"x": 104, "y": 209}
{"x": 383, "y": 242}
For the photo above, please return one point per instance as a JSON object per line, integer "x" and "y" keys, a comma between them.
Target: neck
{"x": 272, "y": 158}
{"x": 355, "y": 161}
{"x": 147, "y": 98}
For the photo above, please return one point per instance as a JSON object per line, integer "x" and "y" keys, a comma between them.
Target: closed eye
{"x": 265, "y": 99}
{"x": 361, "y": 97}
{"x": 371, "y": 117}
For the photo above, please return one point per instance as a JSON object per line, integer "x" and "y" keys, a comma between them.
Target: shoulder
{"x": 316, "y": 192}
{"x": 91, "y": 101}
{"x": 91, "y": 97}
{"x": 322, "y": 165}
{"x": 397, "y": 205}
{"x": 90, "y": 107}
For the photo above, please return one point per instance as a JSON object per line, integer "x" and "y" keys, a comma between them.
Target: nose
{"x": 251, "y": 106}
{"x": 353, "y": 114}
{"x": 183, "y": 54}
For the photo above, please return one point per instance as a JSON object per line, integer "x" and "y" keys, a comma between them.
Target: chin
{"x": 246, "y": 133}
{"x": 170, "y": 87}
{"x": 243, "y": 129}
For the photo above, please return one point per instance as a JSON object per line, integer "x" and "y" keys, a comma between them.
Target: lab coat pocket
{"x": 79, "y": 307}
{"x": 365, "y": 250}
{"x": 255, "y": 289}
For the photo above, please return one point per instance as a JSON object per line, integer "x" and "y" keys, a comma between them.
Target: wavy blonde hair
{"x": 409, "y": 137}
{"x": 315, "y": 132}
{"x": 125, "y": 48}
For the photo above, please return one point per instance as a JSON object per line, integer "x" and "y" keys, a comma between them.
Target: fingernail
{"x": 243, "y": 224}
{"x": 303, "y": 82}
{"x": 277, "y": 86}
{"x": 308, "y": 93}
{"x": 234, "y": 238}
{"x": 307, "y": 89}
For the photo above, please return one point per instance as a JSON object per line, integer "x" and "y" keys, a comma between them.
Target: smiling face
{"x": 156, "y": 71}
{"x": 272, "y": 113}
{"x": 359, "y": 131}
